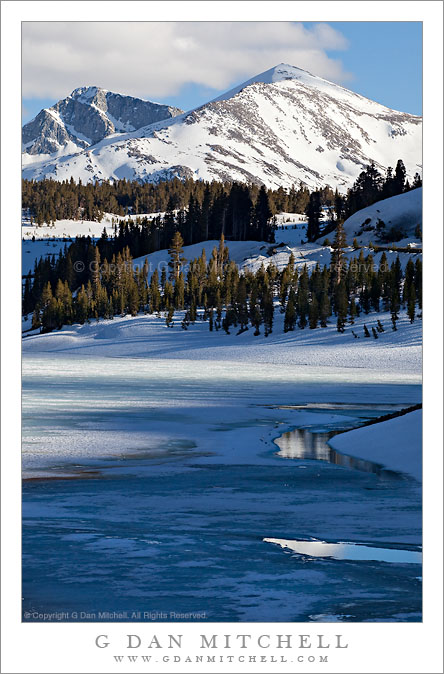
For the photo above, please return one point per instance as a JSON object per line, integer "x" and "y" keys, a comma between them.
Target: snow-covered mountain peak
{"x": 281, "y": 72}
{"x": 281, "y": 127}
{"x": 86, "y": 94}
{"x": 84, "y": 118}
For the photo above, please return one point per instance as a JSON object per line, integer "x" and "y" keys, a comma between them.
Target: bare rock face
{"x": 86, "y": 117}
{"x": 46, "y": 135}
{"x": 282, "y": 127}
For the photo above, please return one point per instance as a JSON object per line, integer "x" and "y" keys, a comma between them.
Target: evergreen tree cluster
{"x": 236, "y": 208}
{"x": 371, "y": 186}
{"x": 64, "y": 293}
{"x": 204, "y": 210}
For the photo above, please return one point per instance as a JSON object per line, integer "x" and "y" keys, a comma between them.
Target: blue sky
{"x": 380, "y": 60}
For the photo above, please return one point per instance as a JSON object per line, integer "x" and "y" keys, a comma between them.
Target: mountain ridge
{"x": 282, "y": 127}
{"x": 86, "y": 116}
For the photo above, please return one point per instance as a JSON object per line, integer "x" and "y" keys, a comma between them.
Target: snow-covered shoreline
{"x": 396, "y": 444}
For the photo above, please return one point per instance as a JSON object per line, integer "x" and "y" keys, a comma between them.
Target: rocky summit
{"x": 86, "y": 117}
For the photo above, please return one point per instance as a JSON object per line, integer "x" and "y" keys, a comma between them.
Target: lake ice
{"x": 177, "y": 482}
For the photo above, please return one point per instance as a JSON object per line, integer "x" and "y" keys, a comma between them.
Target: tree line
{"x": 48, "y": 200}
{"x": 205, "y": 210}
{"x": 227, "y": 298}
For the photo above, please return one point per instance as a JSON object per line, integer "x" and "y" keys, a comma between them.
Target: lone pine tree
{"x": 175, "y": 252}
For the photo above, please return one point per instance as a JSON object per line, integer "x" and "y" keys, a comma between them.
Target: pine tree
{"x": 262, "y": 215}
{"x": 36, "y": 319}
{"x": 313, "y": 213}
{"x": 133, "y": 298}
{"x": 27, "y": 303}
{"x": 324, "y": 309}
{"x": 290, "y": 313}
{"x": 49, "y": 308}
{"x": 155, "y": 298}
{"x": 418, "y": 282}
{"x": 169, "y": 317}
{"x": 303, "y": 298}
{"x": 313, "y": 313}
{"x": 375, "y": 292}
{"x": 192, "y": 313}
{"x": 268, "y": 311}
{"x": 179, "y": 292}
{"x": 339, "y": 206}
{"x": 185, "y": 321}
{"x": 411, "y": 303}
{"x": 409, "y": 277}
{"x": 82, "y": 305}
{"x": 337, "y": 258}
{"x": 222, "y": 255}
{"x": 94, "y": 268}
{"x": 417, "y": 182}
{"x": 400, "y": 175}
{"x": 175, "y": 252}
{"x": 241, "y": 304}
{"x": 394, "y": 305}
{"x": 168, "y": 295}
{"x": 352, "y": 311}
{"x": 341, "y": 305}
{"x": 256, "y": 319}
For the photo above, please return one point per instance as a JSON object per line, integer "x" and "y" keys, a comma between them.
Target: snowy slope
{"x": 403, "y": 211}
{"x": 395, "y": 356}
{"x": 396, "y": 444}
{"x": 281, "y": 127}
{"x": 251, "y": 255}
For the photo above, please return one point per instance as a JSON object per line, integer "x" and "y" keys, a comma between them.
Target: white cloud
{"x": 156, "y": 59}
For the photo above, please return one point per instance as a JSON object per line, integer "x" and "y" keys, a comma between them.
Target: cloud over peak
{"x": 156, "y": 59}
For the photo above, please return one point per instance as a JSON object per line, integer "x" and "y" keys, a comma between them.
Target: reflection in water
{"x": 350, "y": 551}
{"x": 303, "y": 444}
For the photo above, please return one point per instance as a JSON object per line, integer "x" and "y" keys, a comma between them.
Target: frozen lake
{"x": 152, "y": 485}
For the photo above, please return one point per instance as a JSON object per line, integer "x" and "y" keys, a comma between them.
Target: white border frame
{"x": 392, "y": 647}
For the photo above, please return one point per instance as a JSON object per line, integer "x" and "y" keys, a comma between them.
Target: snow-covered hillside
{"x": 281, "y": 127}
{"x": 249, "y": 255}
{"x": 395, "y": 356}
{"x": 402, "y": 212}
